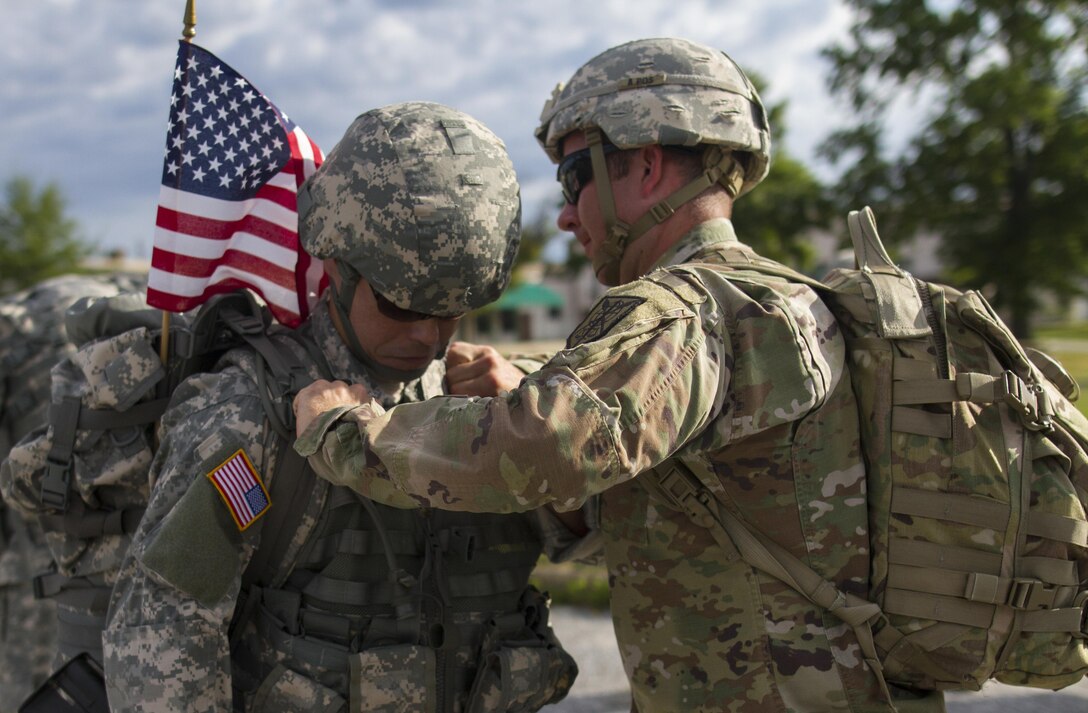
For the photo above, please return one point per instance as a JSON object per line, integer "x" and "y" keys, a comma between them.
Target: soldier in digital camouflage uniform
{"x": 32, "y": 340}
{"x": 692, "y": 358}
{"x": 417, "y": 215}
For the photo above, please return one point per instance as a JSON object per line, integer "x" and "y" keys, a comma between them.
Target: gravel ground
{"x": 602, "y": 688}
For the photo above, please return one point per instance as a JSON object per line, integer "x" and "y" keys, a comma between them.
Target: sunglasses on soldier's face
{"x": 575, "y": 172}
{"x": 399, "y": 314}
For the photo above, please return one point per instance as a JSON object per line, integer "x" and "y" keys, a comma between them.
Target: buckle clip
{"x": 54, "y": 492}
{"x": 1081, "y": 600}
{"x": 680, "y": 492}
{"x": 661, "y": 211}
{"x": 1029, "y": 401}
{"x": 1031, "y": 594}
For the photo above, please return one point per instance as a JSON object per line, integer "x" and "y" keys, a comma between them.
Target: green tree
{"x": 534, "y": 237}
{"x": 37, "y": 239}
{"x": 776, "y": 217}
{"x": 996, "y": 165}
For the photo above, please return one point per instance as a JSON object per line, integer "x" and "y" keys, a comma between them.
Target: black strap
{"x": 292, "y": 484}
{"x": 105, "y": 419}
{"x": 290, "y": 490}
{"x": 58, "y": 462}
{"x": 86, "y": 523}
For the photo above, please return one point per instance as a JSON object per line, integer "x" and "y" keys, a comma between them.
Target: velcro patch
{"x": 241, "y": 489}
{"x": 605, "y": 315}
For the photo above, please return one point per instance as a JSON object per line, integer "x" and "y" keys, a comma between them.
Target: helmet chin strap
{"x": 720, "y": 168}
{"x": 342, "y": 298}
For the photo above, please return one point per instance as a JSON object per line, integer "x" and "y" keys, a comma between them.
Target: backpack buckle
{"x": 54, "y": 492}
{"x": 1031, "y": 594}
{"x": 683, "y": 495}
{"x": 1081, "y": 600}
{"x": 1029, "y": 401}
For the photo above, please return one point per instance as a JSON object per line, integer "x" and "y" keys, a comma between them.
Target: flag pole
{"x": 187, "y": 34}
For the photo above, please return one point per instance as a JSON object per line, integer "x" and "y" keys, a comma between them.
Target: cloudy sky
{"x": 84, "y": 86}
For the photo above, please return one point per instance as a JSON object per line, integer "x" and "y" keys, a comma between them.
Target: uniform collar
{"x": 704, "y": 238}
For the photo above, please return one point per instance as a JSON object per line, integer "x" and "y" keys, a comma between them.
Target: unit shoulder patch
{"x": 241, "y": 488}
{"x": 605, "y": 315}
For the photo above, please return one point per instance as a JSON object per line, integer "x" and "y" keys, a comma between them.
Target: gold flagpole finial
{"x": 190, "y": 21}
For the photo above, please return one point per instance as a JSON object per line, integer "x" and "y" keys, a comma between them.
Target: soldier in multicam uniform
{"x": 32, "y": 340}
{"x": 692, "y": 359}
{"x": 417, "y": 215}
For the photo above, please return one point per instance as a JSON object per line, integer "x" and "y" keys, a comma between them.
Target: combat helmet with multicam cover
{"x": 665, "y": 91}
{"x": 422, "y": 201}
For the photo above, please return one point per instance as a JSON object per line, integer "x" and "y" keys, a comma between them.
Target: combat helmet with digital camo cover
{"x": 422, "y": 202}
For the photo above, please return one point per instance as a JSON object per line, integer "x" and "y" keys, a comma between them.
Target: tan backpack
{"x": 977, "y": 479}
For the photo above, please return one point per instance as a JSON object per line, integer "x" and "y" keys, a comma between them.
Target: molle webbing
{"x": 1031, "y": 404}
{"x": 487, "y": 558}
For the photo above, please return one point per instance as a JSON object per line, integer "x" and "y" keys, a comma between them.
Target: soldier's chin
{"x": 407, "y": 369}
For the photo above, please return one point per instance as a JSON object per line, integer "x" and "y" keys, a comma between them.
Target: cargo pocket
{"x": 285, "y": 691}
{"x": 393, "y": 679}
{"x": 513, "y": 679}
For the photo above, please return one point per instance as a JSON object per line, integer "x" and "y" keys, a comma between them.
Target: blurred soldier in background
{"x": 32, "y": 340}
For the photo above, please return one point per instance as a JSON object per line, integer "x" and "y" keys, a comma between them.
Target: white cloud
{"x": 85, "y": 86}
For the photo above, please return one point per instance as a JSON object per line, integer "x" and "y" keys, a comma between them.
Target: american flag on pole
{"x": 241, "y": 489}
{"x": 227, "y": 214}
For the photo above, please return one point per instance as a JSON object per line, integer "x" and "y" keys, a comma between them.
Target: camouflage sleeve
{"x": 165, "y": 645}
{"x": 638, "y": 379}
{"x": 658, "y": 365}
{"x": 528, "y": 363}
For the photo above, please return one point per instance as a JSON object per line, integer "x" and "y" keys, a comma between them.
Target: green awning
{"x": 527, "y": 295}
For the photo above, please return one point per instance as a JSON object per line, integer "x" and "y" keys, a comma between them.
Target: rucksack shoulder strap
{"x": 280, "y": 374}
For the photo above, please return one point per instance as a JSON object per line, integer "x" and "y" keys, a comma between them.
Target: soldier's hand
{"x": 479, "y": 370}
{"x": 322, "y": 396}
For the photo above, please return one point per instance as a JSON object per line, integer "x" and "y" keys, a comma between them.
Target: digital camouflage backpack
{"x": 977, "y": 486}
{"x": 32, "y": 340}
{"x": 84, "y": 472}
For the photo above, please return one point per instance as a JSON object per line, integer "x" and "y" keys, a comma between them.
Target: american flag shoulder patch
{"x": 241, "y": 489}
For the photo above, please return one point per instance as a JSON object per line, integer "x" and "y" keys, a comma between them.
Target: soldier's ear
{"x": 648, "y": 164}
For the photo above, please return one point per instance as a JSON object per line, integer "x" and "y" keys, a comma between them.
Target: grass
{"x": 1073, "y": 357}
{"x": 573, "y": 584}
{"x": 1071, "y": 330}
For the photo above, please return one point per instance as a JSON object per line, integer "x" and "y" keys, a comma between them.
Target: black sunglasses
{"x": 399, "y": 314}
{"x": 576, "y": 171}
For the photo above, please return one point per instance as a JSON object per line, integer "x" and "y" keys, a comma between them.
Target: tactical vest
{"x": 411, "y": 601}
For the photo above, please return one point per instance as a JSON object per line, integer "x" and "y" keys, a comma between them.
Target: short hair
{"x": 689, "y": 158}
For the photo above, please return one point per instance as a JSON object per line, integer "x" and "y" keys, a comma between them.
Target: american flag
{"x": 227, "y": 214}
{"x": 241, "y": 489}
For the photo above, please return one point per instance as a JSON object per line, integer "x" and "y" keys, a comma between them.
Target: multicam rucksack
{"x": 977, "y": 479}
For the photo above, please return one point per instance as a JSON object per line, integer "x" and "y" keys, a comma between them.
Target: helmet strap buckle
{"x": 617, "y": 232}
